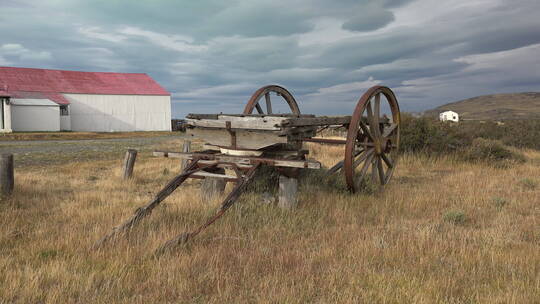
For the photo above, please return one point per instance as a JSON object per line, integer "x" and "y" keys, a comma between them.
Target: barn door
{"x": 2, "y": 126}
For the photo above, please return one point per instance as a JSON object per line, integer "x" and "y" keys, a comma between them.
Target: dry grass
{"x": 78, "y": 135}
{"x": 442, "y": 231}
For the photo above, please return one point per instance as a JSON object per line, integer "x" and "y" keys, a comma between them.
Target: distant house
{"x": 55, "y": 100}
{"x": 449, "y": 116}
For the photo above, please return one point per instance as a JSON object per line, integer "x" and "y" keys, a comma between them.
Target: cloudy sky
{"x": 213, "y": 54}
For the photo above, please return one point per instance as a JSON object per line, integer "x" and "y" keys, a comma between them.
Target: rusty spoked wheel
{"x": 372, "y": 139}
{"x": 253, "y": 103}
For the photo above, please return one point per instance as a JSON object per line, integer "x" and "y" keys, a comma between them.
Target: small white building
{"x": 55, "y": 100}
{"x": 449, "y": 116}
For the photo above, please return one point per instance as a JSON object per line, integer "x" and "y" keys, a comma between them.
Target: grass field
{"x": 443, "y": 231}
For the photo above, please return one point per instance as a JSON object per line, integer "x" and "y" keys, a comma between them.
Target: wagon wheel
{"x": 372, "y": 139}
{"x": 253, "y": 103}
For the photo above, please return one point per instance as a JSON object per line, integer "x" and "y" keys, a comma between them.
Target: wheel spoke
{"x": 377, "y": 116}
{"x": 268, "y": 103}
{"x": 374, "y": 169}
{"x": 365, "y": 130}
{"x": 377, "y": 113}
{"x": 387, "y": 160}
{"x": 380, "y": 168}
{"x": 365, "y": 167}
{"x": 388, "y": 175}
{"x": 259, "y": 109}
{"x": 362, "y": 157}
{"x": 373, "y": 122}
{"x": 339, "y": 165}
{"x": 389, "y": 130}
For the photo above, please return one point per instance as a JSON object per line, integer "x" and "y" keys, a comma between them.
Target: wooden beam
{"x": 7, "y": 178}
{"x": 129, "y": 163}
{"x": 242, "y": 160}
{"x": 215, "y": 116}
{"x": 214, "y": 175}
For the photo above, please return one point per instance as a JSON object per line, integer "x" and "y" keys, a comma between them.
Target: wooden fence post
{"x": 185, "y": 148}
{"x": 288, "y": 190}
{"x": 129, "y": 162}
{"x": 7, "y": 177}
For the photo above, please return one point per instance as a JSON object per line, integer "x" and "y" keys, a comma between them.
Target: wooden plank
{"x": 252, "y": 123}
{"x": 243, "y": 161}
{"x": 316, "y": 121}
{"x": 215, "y": 116}
{"x": 245, "y": 139}
{"x": 325, "y": 121}
{"x": 216, "y": 175}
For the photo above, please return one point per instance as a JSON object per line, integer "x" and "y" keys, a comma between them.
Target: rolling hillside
{"x": 495, "y": 107}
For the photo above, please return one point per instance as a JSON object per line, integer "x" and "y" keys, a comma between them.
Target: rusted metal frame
{"x": 232, "y": 198}
{"x": 146, "y": 210}
{"x": 253, "y": 102}
{"x": 325, "y": 140}
{"x": 322, "y": 129}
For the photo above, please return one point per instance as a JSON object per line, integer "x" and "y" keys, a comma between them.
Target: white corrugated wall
{"x": 26, "y": 118}
{"x": 110, "y": 113}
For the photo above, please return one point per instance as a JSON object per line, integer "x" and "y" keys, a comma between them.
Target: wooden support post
{"x": 288, "y": 190}
{"x": 7, "y": 178}
{"x": 129, "y": 162}
{"x": 213, "y": 187}
{"x": 186, "y": 148}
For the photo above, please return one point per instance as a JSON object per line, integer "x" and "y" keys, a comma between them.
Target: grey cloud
{"x": 371, "y": 19}
{"x": 201, "y": 49}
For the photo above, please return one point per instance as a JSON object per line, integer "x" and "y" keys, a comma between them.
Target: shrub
{"x": 500, "y": 202}
{"x": 426, "y": 133}
{"x": 491, "y": 150}
{"x": 528, "y": 184}
{"x": 423, "y": 134}
{"x": 471, "y": 140}
{"x": 456, "y": 217}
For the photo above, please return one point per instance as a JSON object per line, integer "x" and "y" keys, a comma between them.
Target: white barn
{"x": 55, "y": 100}
{"x": 449, "y": 116}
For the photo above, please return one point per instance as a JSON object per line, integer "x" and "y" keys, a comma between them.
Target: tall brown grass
{"x": 443, "y": 231}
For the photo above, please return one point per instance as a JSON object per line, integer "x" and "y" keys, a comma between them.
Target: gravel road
{"x": 46, "y": 152}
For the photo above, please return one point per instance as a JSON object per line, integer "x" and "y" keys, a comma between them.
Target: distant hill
{"x": 495, "y": 107}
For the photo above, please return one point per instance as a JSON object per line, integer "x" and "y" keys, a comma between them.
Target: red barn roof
{"x": 50, "y": 84}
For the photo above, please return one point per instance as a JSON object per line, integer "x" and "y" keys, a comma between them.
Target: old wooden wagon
{"x": 242, "y": 143}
